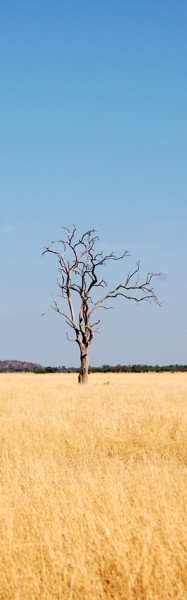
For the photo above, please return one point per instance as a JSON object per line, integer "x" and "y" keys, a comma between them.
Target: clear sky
{"x": 93, "y": 116}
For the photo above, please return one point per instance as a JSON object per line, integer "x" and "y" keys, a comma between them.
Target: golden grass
{"x": 94, "y": 488}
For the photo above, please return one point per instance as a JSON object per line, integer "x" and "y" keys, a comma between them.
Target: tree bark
{"x": 83, "y": 373}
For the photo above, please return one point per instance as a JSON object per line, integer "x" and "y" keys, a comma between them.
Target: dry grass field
{"x": 94, "y": 487}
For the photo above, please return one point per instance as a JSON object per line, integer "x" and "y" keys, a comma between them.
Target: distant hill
{"x": 13, "y": 366}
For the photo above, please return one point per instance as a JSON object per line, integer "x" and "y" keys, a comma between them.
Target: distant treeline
{"x": 23, "y": 367}
{"x": 138, "y": 368}
{"x": 119, "y": 369}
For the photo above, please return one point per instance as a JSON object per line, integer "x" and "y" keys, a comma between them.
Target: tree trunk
{"x": 83, "y": 373}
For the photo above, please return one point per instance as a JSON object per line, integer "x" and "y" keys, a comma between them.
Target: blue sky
{"x": 93, "y": 132}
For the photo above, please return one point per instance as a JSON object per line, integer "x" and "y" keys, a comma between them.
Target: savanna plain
{"x": 94, "y": 487}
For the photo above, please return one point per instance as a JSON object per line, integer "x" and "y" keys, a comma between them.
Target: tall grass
{"x": 94, "y": 487}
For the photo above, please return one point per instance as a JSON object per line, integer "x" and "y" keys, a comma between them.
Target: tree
{"x": 79, "y": 276}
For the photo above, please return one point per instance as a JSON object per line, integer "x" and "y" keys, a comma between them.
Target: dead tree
{"x": 79, "y": 265}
